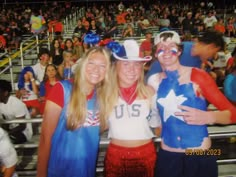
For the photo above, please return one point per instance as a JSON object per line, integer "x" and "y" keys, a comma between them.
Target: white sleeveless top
{"x": 133, "y": 122}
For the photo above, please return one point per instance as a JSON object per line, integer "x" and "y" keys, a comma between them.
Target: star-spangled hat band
{"x": 173, "y": 37}
{"x": 129, "y": 51}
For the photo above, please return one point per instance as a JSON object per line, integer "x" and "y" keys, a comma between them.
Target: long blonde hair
{"x": 77, "y": 107}
{"x": 142, "y": 91}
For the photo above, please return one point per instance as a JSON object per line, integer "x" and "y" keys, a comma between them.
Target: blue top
{"x": 42, "y": 90}
{"x": 186, "y": 59}
{"x": 74, "y": 153}
{"x": 230, "y": 87}
{"x": 176, "y": 133}
{"x": 67, "y": 73}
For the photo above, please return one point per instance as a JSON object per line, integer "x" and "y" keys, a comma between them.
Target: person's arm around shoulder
{"x": 226, "y": 112}
{"x": 155, "y": 120}
{"x": 51, "y": 117}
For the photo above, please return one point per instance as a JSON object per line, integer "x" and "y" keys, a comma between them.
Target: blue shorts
{"x": 172, "y": 164}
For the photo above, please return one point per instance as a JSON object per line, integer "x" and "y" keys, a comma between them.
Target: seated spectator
{"x": 8, "y": 156}
{"x": 2, "y": 43}
{"x": 164, "y": 21}
{"x": 90, "y": 40}
{"x": 94, "y": 28}
{"x": 56, "y": 52}
{"x": 230, "y": 29}
{"x": 220, "y": 63}
{"x": 219, "y": 25}
{"x": 55, "y": 26}
{"x": 86, "y": 26}
{"x": 15, "y": 33}
{"x": 64, "y": 69}
{"x": 147, "y": 44}
{"x": 230, "y": 86}
{"x": 146, "y": 48}
{"x": 69, "y": 46}
{"x": 39, "y": 68}
{"x": 210, "y": 20}
{"x": 12, "y": 108}
{"x": 121, "y": 17}
{"x": 231, "y": 62}
{"x": 78, "y": 48}
{"x": 143, "y": 24}
{"x": 28, "y": 90}
{"x": 110, "y": 26}
{"x": 50, "y": 78}
{"x": 79, "y": 29}
{"x": 128, "y": 28}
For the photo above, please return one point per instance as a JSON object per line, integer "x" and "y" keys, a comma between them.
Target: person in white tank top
{"x": 131, "y": 151}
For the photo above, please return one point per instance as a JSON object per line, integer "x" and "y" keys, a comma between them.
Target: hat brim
{"x": 132, "y": 58}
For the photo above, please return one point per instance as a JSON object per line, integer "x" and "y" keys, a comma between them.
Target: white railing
{"x": 9, "y": 67}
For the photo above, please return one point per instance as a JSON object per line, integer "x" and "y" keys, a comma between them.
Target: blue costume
{"x": 186, "y": 59}
{"x": 176, "y": 132}
{"x": 74, "y": 153}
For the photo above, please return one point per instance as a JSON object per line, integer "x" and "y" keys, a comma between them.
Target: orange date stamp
{"x": 203, "y": 152}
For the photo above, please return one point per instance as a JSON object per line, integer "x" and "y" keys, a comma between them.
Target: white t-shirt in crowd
{"x": 39, "y": 71}
{"x": 13, "y": 109}
{"x": 8, "y": 156}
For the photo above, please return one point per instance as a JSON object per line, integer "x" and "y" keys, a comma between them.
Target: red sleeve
{"x": 230, "y": 61}
{"x": 57, "y": 94}
{"x": 211, "y": 92}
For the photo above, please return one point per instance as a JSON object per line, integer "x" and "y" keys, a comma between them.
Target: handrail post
{"x": 11, "y": 73}
{"x": 21, "y": 55}
{"x": 37, "y": 43}
{"x": 48, "y": 39}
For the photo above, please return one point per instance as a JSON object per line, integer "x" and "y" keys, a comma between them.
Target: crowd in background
{"x": 18, "y": 19}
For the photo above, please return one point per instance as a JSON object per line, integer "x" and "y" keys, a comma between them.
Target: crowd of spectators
{"x": 18, "y": 19}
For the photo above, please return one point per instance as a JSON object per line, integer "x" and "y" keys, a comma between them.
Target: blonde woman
{"x": 131, "y": 151}
{"x": 73, "y": 117}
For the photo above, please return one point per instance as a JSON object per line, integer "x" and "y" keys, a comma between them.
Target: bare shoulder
{"x": 154, "y": 80}
{"x": 150, "y": 89}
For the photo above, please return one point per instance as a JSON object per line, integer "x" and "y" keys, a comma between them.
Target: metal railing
{"x": 32, "y": 42}
{"x": 71, "y": 19}
{"x": 215, "y": 132}
{"x": 9, "y": 67}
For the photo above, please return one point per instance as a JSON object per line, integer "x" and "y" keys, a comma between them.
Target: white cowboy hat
{"x": 129, "y": 51}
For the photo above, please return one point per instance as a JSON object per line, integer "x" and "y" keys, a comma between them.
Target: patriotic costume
{"x": 176, "y": 133}
{"x": 74, "y": 153}
{"x": 131, "y": 151}
{"x": 131, "y": 122}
